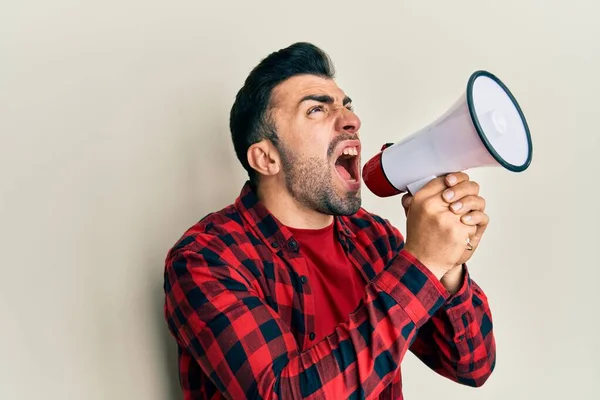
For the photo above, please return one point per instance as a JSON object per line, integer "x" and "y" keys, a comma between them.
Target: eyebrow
{"x": 323, "y": 98}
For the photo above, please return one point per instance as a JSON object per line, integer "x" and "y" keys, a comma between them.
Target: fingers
{"x": 467, "y": 204}
{"x": 457, "y": 191}
{"x": 469, "y": 232}
{"x": 461, "y": 190}
{"x": 455, "y": 178}
{"x": 475, "y": 218}
{"x": 439, "y": 184}
{"x": 432, "y": 188}
{"x": 478, "y": 220}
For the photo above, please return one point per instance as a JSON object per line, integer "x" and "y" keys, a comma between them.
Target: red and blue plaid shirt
{"x": 243, "y": 316}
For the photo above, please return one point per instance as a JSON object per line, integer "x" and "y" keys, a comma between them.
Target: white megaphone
{"x": 485, "y": 127}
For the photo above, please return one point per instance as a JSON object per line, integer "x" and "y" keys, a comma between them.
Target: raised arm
{"x": 458, "y": 342}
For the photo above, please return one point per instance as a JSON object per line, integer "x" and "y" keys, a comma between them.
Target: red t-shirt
{"x": 336, "y": 283}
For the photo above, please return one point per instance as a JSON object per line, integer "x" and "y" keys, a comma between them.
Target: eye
{"x": 350, "y": 108}
{"x": 315, "y": 108}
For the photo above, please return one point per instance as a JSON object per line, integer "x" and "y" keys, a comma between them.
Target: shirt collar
{"x": 268, "y": 227}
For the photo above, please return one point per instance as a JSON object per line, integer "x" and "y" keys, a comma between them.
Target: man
{"x": 295, "y": 291}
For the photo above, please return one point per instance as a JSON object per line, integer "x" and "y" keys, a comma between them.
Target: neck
{"x": 286, "y": 209}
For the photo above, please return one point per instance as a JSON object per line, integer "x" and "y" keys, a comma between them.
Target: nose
{"x": 347, "y": 122}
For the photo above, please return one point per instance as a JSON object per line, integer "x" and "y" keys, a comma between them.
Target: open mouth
{"x": 346, "y": 164}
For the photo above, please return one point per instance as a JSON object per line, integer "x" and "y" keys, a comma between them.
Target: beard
{"x": 310, "y": 182}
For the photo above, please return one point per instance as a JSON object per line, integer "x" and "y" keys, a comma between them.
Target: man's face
{"x": 319, "y": 144}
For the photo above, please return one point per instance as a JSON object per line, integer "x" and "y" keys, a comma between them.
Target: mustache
{"x": 338, "y": 139}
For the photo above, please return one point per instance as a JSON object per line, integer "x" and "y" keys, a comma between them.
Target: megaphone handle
{"x": 418, "y": 185}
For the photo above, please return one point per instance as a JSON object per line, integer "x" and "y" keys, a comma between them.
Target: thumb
{"x": 406, "y": 200}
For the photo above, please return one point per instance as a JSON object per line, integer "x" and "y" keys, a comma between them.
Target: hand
{"x": 436, "y": 235}
{"x": 463, "y": 198}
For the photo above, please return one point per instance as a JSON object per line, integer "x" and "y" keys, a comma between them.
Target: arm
{"x": 248, "y": 352}
{"x": 458, "y": 341}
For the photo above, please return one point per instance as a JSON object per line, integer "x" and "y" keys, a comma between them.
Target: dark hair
{"x": 249, "y": 120}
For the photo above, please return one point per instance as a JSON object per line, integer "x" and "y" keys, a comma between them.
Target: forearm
{"x": 458, "y": 342}
{"x": 381, "y": 331}
{"x": 257, "y": 356}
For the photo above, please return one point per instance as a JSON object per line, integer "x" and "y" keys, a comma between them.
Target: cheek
{"x": 313, "y": 145}
{"x": 311, "y": 139}
{"x": 316, "y": 151}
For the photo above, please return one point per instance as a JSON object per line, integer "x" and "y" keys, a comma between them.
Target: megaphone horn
{"x": 484, "y": 127}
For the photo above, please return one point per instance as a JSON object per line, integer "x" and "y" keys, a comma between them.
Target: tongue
{"x": 343, "y": 172}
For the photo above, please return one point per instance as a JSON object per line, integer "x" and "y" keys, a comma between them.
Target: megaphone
{"x": 484, "y": 127}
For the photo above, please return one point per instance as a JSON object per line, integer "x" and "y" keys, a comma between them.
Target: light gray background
{"x": 113, "y": 115}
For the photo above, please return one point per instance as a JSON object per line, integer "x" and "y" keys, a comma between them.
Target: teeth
{"x": 350, "y": 151}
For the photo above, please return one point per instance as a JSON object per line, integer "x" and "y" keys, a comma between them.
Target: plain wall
{"x": 114, "y": 140}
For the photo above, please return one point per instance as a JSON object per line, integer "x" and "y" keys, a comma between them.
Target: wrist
{"x": 439, "y": 272}
{"x": 453, "y": 278}
{"x": 436, "y": 269}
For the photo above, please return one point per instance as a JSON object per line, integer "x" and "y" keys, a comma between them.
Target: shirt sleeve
{"x": 458, "y": 341}
{"x": 247, "y": 351}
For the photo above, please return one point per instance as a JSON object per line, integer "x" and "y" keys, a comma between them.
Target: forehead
{"x": 290, "y": 91}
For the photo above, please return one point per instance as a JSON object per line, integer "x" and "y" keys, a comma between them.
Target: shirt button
{"x": 274, "y": 244}
{"x": 293, "y": 245}
{"x": 303, "y": 279}
{"x": 312, "y": 336}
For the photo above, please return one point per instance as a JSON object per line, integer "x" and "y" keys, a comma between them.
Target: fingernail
{"x": 451, "y": 179}
{"x": 456, "y": 206}
{"x": 466, "y": 218}
{"x": 449, "y": 194}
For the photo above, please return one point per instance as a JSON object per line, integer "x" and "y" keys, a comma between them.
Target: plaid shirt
{"x": 242, "y": 313}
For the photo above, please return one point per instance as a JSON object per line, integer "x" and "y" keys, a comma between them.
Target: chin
{"x": 348, "y": 202}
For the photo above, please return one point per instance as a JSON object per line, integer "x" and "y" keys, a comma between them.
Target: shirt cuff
{"x": 413, "y": 287}
{"x": 463, "y": 294}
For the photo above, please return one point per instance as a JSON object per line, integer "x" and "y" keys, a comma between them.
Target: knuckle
{"x": 474, "y": 202}
{"x": 417, "y": 200}
{"x": 418, "y": 197}
{"x": 442, "y": 221}
{"x": 429, "y": 205}
{"x": 446, "y": 218}
{"x": 469, "y": 203}
{"x": 474, "y": 218}
{"x": 470, "y": 199}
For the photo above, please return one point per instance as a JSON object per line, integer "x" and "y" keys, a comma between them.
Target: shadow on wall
{"x": 204, "y": 180}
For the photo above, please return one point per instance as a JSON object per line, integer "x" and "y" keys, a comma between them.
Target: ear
{"x": 264, "y": 158}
